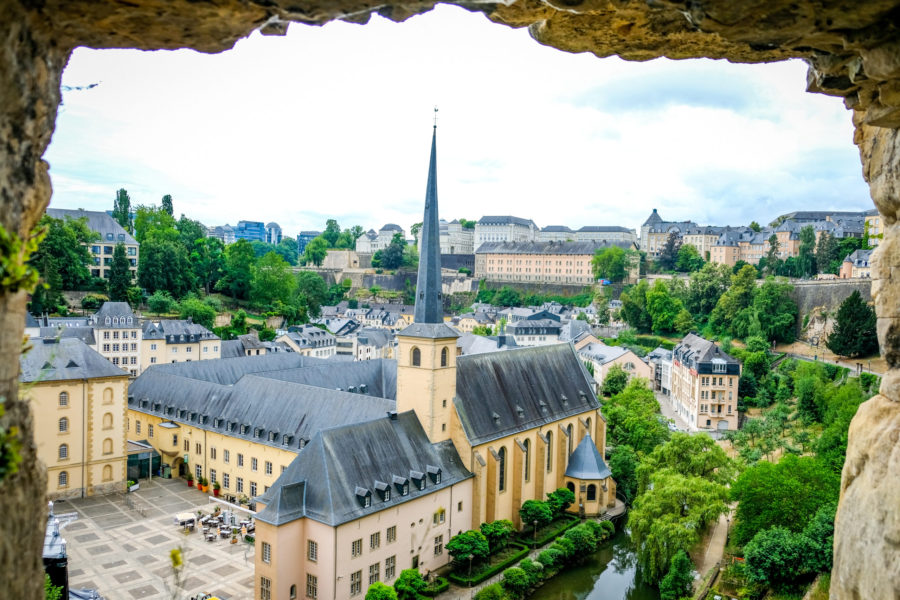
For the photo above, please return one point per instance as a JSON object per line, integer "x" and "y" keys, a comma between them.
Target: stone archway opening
{"x": 853, "y": 50}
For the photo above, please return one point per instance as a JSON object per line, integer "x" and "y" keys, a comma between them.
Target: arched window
{"x": 527, "y": 444}
{"x": 63, "y": 425}
{"x": 571, "y": 487}
{"x": 416, "y": 359}
{"x": 549, "y": 451}
{"x": 445, "y": 356}
{"x": 107, "y": 421}
{"x": 107, "y": 473}
{"x": 63, "y": 451}
{"x": 589, "y": 426}
{"x": 569, "y": 431}
{"x": 294, "y": 592}
{"x": 63, "y": 479}
{"x": 592, "y": 492}
{"x": 64, "y": 398}
{"x": 107, "y": 446}
{"x": 107, "y": 396}
{"x": 501, "y": 469}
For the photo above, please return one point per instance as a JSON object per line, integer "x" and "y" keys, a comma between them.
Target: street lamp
{"x": 534, "y": 530}
{"x": 471, "y": 556}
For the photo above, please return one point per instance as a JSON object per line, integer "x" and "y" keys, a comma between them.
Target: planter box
{"x": 134, "y": 487}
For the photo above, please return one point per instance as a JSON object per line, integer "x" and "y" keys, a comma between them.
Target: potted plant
{"x": 190, "y": 479}
{"x": 216, "y": 487}
{"x": 204, "y": 484}
{"x": 133, "y": 485}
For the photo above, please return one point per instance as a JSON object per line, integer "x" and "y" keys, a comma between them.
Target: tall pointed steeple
{"x": 429, "y": 307}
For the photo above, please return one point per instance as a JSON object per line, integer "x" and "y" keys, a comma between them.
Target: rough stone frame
{"x": 853, "y": 51}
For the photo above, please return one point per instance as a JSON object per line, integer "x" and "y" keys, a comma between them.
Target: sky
{"x": 336, "y": 122}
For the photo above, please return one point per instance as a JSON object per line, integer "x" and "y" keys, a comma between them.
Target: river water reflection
{"x": 609, "y": 574}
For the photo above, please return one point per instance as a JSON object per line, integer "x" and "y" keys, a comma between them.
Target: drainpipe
{"x": 84, "y": 429}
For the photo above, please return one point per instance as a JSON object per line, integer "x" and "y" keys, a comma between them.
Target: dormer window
{"x": 564, "y": 399}
{"x": 217, "y": 423}
{"x": 244, "y": 429}
{"x": 434, "y": 473}
{"x": 108, "y": 320}
{"x": 363, "y": 388}
{"x": 257, "y": 432}
{"x": 496, "y": 418}
{"x": 286, "y": 439}
{"x": 402, "y": 484}
{"x": 115, "y": 320}
{"x": 520, "y": 411}
{"x": 543, "y": 406}
{"x": 352, "y": 389}
{"x": 418, "y": 478}
{"x": 273, "y": 436}
{"x": 384, "y": 490}
{"x": 364, "y": 497}
{"x": 129, "y": 320}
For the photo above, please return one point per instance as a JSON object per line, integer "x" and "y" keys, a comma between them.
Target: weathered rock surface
{"x": 853, "y": 51}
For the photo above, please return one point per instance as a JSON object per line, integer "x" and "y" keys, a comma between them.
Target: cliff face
{"x": 853, "y": 51}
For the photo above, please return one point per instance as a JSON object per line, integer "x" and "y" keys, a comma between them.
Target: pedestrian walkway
{"x": 715, "y": 548}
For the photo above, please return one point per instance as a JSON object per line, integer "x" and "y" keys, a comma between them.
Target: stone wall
{"x": 852, "y": 49}
{"x": 815, "y": 296}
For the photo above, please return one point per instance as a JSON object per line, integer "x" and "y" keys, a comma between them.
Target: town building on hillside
{"x": 273, "y": 233}
{"x": 556, "y": 233}
{"x": 857, "y": 264}
{"x": 118, "y": 334}
{"x": 567, "y": 263}
{"x": 168, "y": 341}
{"x": 603, "y": 357}
{"x": 705, "y": 385}
{"x": 222, "y": 232}
{"x": 456, "y": 239}
{"x": 535, "y": 332}
{"x": 874, "y": 225}
{"x": 812, "y": 216}
{"x": 252, "y": 231}
{"x": 660, "y": 361}
{"x": 309, "y": 340}
{"x": 304, "y": 238}
{"x": 372, "y": 342}
{"x": 78, "y": 400}
{"x": 504, "y": 228}
{"x": 703, "y": 238}
{"x": 249, "y": 344}
{"x": 605, "y": 233}
{"x": 655, "y": 233}
{"x": 371, "y": 242}
{"x": 469, "y": 321}
{"x": 109, "y": 234}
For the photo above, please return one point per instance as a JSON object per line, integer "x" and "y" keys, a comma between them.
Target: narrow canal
{"x": 608, "y": 574}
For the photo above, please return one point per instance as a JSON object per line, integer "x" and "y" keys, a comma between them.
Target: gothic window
{"x": 569, "y": 431}
{"x": 416, "y": 357}
{"x": 527, "y": 457}
{"x": 591, "y": 492}
{"x": 444, "y": 357}
{"x": 549, "y": 451}
{"x": 501, "y": 469}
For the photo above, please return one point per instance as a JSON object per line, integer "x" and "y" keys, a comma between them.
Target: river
{"x": 609, "y": 574}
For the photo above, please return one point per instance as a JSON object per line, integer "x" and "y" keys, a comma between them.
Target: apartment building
{"x": 309, "y": 340}
{"x": 540, "y": 262}
{"x": 504, "y": 228}
{"x": 371, "y": 242}
{"x": 78, "y": 401}
{"x": 705, "y": 385}
{"x": 874, "y": 225}
{"x": 109, "y": 233}
{"x": 168, "y": 341}
{"x": 456, "y": 239}
{"x": 117, "y": 331}
{"x": 596, "y": 233}
{"x": 857, "y": 264}
{"x": 655, "y": 233}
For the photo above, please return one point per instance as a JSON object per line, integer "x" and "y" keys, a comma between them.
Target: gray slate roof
{"x": 601, "y": 353}
{"x": 98, "y": 221}
{"x": 585, "y": 247}
{"x": 228, "y": 371}
{"x": 604, "y": 229}
{"x": 391, "y": 227}
{"x": 653, "y": 219}
{"x": 586, "y": 462}
{"x": 558, "y": 229}
{"x": 66, "y": 359}
{"x": 85, "y": 334}
{"x": 379, "y": 376}
{"x": 177, "y": 331}
{"x": 118, "y": 314}
{"x": 469, "y": 343}
{"x": 501, "y": 393}
{"x": 859, "y": 258}
{"x": 505, "y": 220}
{"x": 699, "y": 354}
{"x": 332, "y": 474}
{"x": 431, "y": 331}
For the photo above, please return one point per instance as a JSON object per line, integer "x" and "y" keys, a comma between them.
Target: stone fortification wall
{"x": 813, "y": 296}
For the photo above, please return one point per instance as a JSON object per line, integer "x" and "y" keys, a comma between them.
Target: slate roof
{"x": 119, "y": 314}
{"x": 558, "y": 229}
{"x": 379, "y": 376}
{"x": 85, "y": 334}
{"x": 505, "y": 220}
{"x": 809, "y": 216}
{"x": 601, "y": 353}
{"x": 699, "y": 354}
{"x": 98, "y": 221}
{"x": 66, "y": 359}
{"x": 228, "y": 371}
{"x": 604, "y": 229}
{"x": 260, "y": 403}
{"x": 653, "y": 219}
{"x": 433, "y": 331}
{"x": 469, "y": 343}
{"x": 502, "y": 393}
{"x": 575, "y": 248}
{"x": 526, "y": 325}
{"x": 310, "y": 336}
{"x": 177, "y": 331}
{"x": 326, "y": 480}
{"x": 372, "y": 336}
{"x": 232, "y": 349}
{"x": 586, "y": 463}
{"x": 859, "y": 258}
{"x": 391, "y": 227}
{"x": 574, "y": 330}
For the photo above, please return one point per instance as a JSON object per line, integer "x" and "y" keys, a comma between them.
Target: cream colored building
{"x": 309, "y": 340}
{"x": 705, "y": 385}
{"x": 169, "y": 341}
{"x": 875, "y": 226}
{"x": 109, "y": 233}
{"x": 857, "y": 264}
{"x": 118, "y": 333}
{"x": 456, "y": 239}
{"x": 78, "y": 400}
{"x": 603, "y": 357}
{"x": 540, "y": 262}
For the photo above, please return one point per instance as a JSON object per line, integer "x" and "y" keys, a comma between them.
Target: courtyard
{"x": 120, "y": 545}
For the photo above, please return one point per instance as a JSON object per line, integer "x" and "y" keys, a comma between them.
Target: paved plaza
{"x": 120, "y": 545}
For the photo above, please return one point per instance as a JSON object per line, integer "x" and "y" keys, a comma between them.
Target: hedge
{"x": 570, "y": 521}
{"x": 493, "y": 570}
{"x": 439, "y": 585}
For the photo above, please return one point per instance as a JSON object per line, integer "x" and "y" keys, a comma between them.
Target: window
{"x": 438, "y": 517}
{"x": 212, "y": 475}
{"x": 63, "y": 479}
{"x": 266, "y": 552}
{"x": 226, "y": 456}
{"x": 137, "y": 426}
{"x": 265, "y": 588}
{"x": 444, "y": 357}
{"x": 391, "y": 534}
{"x": 153, "y": 346}
{"x": 63, "y": 425}
{"x": 187, "y": 443}
{"x": 312, "y": 586}
{"x": 252, "y": 489}
{"x": 312, "y": 551}
{"x": 459, "y": 506}
{"x": 569, "y": 434}
{"x": 198, "y": 448}
{"x": 356, "y": 548}
{"x": 549, "y": 451}
{"x": 64, "y": 398}
{"x": 240, "y": 460}
{"x": 198, "y": 469}
{"x": 226, "y": 480}
{"x": 501, "y": 469}
{"x": 152, "y": 360}
{"x": 416, "y": 359}
{"x": 174, "y": 439}
{"x": 107, "y": 446}
{"x": 374, "y": 573}
{"x": 108, "y": 421}
{"x": 63, "y": 451}
{"x": 439, "y": 545}
{"x": 375, "y": 540}
{"x": 591, "y": 492}
{"x": 188, "y": 349}
{"x": 527, "y": 457}
{"x": 355, "y": 583}
{"x": 240, "y": 485}
{"x": 253, "y": 464}
{"x": 390, "y": 567}
{"x": 212, "y": 453}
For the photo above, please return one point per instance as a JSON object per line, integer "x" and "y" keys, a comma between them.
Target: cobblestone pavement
{"x": 120, "y": 545}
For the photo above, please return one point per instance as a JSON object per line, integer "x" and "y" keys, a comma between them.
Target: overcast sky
{"x": 335, "y": 122}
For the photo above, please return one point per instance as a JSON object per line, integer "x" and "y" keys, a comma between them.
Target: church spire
{"x": 429, "y": 307}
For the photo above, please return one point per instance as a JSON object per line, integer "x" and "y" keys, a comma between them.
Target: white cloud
{"x": 334, "y": 121}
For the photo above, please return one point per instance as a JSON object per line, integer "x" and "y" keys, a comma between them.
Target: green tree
{"x": 810, "y": 398}
{"x": 149, "y": 220}
{"x": 634, "y": 307}
{"x": 312, "y": 292}
{"x": 705, "y": 288}
{"x": 516, "y": 582}
{"x": 610, "y": 263}
{"x": 623, "y": 462}
{"x": 316, "y": 250}
{"x": 668, "y": 256}
{"x": 272, "y": 280}
{"x": 615, "y": 381}
{"x": 409, "y": 584}
{"x": 497, "y": 533}
{"x": 688, "y": 259}
{"x": 737, "y": 299}
{"x": 827, "y": 254}
{"x": 47, "y": 296}
{"x": 119, "y": 275}
{"x": 198, "y": 311}
{"x": 68, "y": 242}
{"x": 755, "y": 226}
{"x": 678, "y": 582}
{"x": 51, "y": 592}
{"x": 559, "y": 500}
{"x": 632, "y": 418}
{"x": 688, "y": 455}
{"x": 786, "y": 494}
{"x": 468, "y": 543}
{"x": 583, "y": 539}
{"x": 536, "y": 511}
{"x": 854, "y": 329}
{"x": 165, "y": 265}
{"x": 775, "y": 557}
{"x": 190, "y": 231}
{"x": 122, "y": 210}
{"x": 772, "y": 260}
{"x": 392, "y": 256}
{"x": 161, "y": 302}
{"x": 208, "y": 261}
{"x": 467, "y": 224}
{"x": 663, "y": 307}
{"x": 381, "y": 591}
{"x": 775, "y": 310}
{"x": 684, "y": 322}
{"x": 671, "y": 516}
{"x": 414, "y": 231}
{"x": 332, "y": 233}
{"x": 166, "y": 205}
{"x": 288, "y": 249}
{"x": 806, "y": 257}
{"x": 238, "y": 276}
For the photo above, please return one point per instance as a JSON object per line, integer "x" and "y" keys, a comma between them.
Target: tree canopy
{"x": 854, "y": 328}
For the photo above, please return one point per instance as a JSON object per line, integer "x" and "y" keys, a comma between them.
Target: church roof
{"x": 586, "y": 462}
{"x": 502, "y": 393}
{"x": 653, "y": 219}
